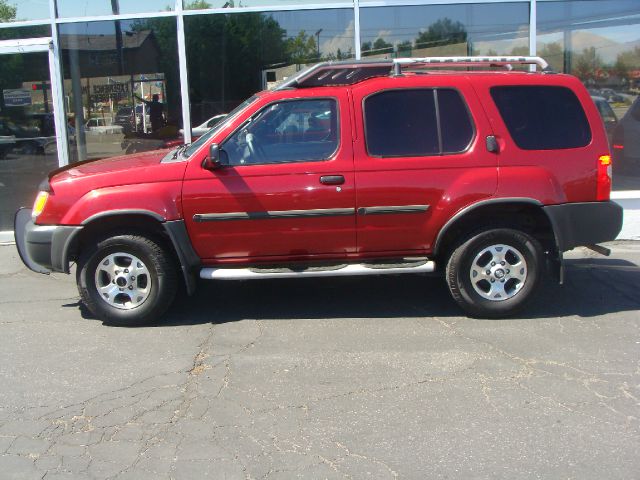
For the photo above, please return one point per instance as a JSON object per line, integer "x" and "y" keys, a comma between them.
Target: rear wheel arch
{"x": 525, "y": 214}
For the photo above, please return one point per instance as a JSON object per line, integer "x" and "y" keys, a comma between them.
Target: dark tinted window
{"x": 542, "y": 118}
{"x": 455, "y": 124}
{"x": 404, "y": 123}
{"x": 401, "y": 123}
{"x": 284, "y": 132}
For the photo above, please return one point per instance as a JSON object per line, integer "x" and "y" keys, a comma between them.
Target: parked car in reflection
{"x": 34, "y": 133}
{"x": 626, "y": 141}
{"x": 204, "y": 127}
{"x": 125, "y": 118}
{"x": 7, "y": 143}
{"x": 101, "y": 126}
{"x": 607, "y": 114}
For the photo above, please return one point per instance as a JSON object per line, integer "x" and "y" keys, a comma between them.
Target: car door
{"x": 420, "y": 156}
{"x": 280, "y": 194}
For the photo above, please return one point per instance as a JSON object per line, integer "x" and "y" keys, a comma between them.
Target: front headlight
{"x": 38, "y": 205}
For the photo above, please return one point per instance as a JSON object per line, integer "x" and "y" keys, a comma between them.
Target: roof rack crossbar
{"x": 353, "y": 71}
{"x": 479, "y": 60}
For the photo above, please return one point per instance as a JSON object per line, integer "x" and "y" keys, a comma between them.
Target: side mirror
{"x": 212, "y": 161}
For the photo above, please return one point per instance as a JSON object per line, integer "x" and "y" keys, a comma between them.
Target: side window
{"x": 285, "y": 132}
{"x": 542, "y": 118}
{"x": 401, "y": 123}
{"x": 416, "y": 122}
{"x": 457, "y": 130}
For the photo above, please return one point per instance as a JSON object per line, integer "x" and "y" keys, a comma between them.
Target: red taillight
{"x": 603, "y": 189}
{"x": 618, "y": 147}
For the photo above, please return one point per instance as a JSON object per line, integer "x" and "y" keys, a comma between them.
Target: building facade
{"x": 82, "y": 79}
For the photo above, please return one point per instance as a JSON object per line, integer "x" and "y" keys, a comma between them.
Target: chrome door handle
{"x": 332, "y": 179}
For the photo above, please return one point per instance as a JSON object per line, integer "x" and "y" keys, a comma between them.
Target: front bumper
{"x": 587, "y": 223}
{"x": 43, "y": 248}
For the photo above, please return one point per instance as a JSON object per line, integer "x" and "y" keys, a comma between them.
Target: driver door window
{"x": 285, "y": 132}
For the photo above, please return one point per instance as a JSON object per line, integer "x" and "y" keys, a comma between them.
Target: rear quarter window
{"x": 542, "y": 117}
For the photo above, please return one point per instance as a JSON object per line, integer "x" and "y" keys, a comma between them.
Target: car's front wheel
{"x": 494, "y": 273}
{"x": 127, "y": 279}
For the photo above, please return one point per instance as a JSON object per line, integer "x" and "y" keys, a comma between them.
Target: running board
{"x": 342, "y": 270}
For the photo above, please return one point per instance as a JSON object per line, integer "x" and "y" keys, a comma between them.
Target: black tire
{"x": 459, "y": 273}
{"x": 162, "y": 275}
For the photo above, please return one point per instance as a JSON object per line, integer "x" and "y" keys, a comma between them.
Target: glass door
{"x": 29, "y": 140}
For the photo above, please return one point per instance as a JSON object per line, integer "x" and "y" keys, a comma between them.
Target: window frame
{"x": 331, "y": 157}
{"x": 474, "y": 130}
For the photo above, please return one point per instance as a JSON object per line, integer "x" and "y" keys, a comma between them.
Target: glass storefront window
{"x": 34, "y": 31}
{"x": 599, "y": 42}
{"x": 204, "y": 4}
{"x": 83, "y": 8}
{"x": 230, "y": 57}
{"x": 441, "y": 30}
{"x": 27, "y": 131}
{"x": 121, "y": 85}
{"x": 20, "y": 10}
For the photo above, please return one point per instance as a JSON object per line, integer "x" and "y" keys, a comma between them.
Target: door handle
{"x": 492, "y": 144}
{"x": 332, "y": 179}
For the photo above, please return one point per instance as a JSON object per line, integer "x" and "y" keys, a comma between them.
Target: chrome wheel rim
{"x": 123, "y": 280}
{"x": 498, "y": 272}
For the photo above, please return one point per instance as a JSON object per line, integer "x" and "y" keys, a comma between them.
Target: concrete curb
{"x": 630, "y": 201}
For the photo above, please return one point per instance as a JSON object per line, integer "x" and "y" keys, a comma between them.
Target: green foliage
{"x": 301, "y": 49}
{"x": 379, "y": 46}
{"x": 7, "y": 11}
{"x": 443, "y": 32}
{"x": 587, "y": 64}
{"x": 197, "y": 5}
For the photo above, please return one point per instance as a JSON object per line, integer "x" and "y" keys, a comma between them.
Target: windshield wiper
{"x": 180, "y": 150}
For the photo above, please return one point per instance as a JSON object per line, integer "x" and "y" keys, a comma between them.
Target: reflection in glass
{"x": 20, "y": 10}
{"x": 121, "y": 86}
{"x": 27, "y": 131}
{"x": 599, "y": 42}
{"x": 441, "y": 30}
{"x": 83, "y": 8}
{"x": 204, "y": 4}
{"x": 230, "y": 57}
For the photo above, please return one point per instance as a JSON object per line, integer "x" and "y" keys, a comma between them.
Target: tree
{"x": 197, "y": 5}
{"x": 301, "y": 49}
{"x": 443, "y": 32}
{"x": 379, "y": 46}
{"x": 7, "y": 12}
{"x": 554, "y": 54}
{"x": 587, "y": 64}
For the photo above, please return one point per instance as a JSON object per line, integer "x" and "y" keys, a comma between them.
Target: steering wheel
{"x": 255, "y": 150}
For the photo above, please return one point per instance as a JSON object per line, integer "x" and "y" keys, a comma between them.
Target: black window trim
{"x": 474, "y": 131}
{"x": 579, "y": 102}
{"x": 331, "y": 157}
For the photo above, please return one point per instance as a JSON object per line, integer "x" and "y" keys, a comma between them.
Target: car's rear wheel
{"x": 127, "y": 279}
{"x": 494, "y": 273}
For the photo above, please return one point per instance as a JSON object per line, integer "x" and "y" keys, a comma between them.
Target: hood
{"x": 108, "y": 165}
{"x": 133, "y": 169}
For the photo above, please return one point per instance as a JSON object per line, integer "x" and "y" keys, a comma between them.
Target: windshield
{"x": 204, "y": 138}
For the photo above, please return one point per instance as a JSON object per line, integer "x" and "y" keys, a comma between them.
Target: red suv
{"x": 348, "y": 168}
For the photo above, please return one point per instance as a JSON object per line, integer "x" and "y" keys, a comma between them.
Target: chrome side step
{"x": 342, "y": 270}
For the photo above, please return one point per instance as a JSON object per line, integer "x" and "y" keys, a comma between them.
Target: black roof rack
{"x": 348, "y": 72}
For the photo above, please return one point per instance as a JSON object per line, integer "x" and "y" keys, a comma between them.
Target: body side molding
{"x": 392, "y": 209}
{"x": 274, "y": 214}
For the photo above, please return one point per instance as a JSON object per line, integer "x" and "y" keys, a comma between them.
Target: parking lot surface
{"x": 377, "y": 377}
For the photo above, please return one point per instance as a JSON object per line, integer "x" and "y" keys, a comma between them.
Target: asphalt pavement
{"x": 377, "y": 377}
